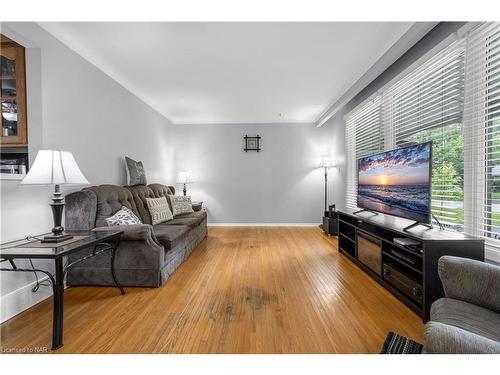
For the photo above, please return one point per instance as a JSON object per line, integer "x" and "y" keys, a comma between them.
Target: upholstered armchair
{"x": 467, "y": 320}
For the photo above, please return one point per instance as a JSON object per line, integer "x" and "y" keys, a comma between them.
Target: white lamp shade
{"x": 54, "y": 168}
{"x": 184, "y": 178}
{"x": 325, "y": 162}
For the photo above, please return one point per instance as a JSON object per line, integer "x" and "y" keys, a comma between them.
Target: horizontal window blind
{"x": 427, "y": 105}
{"x": 364, "y": 136}
{"x": 453, "y": 100}
{"x": 482, "y": 133}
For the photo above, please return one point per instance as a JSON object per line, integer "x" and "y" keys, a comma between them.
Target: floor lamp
{"x": 325, "y": 163}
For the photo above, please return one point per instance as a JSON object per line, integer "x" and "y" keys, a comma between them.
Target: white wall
{"x": 74, "y": 106}
{"x": 279, "y": 184}
{"x": 336, "y": 124}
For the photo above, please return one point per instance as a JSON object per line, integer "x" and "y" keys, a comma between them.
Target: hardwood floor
{"x": 243, "y": 290}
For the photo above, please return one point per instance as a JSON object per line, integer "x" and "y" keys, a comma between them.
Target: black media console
{"x": 409, "y": 272}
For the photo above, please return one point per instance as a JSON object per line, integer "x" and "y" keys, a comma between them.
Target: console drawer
{"x": 406, "y": 285}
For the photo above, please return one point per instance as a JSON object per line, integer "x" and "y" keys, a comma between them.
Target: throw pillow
{"x": 135, "y": 172}
{"x": 180, "y": 204}
{"x": 124, "y": 216}
{"x": 159, "y": 210}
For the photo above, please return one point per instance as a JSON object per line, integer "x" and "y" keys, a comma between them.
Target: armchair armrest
{"x": 134, "y": 232}
{"x": 445, "y": 339}
{"x": 471, "y": 281}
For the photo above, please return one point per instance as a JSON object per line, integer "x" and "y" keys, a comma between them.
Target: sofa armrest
{"x": 80, "y": 210}
{"x": 471, "y": 281}
{"x": 134, "y": 232}
{"x": 445, "y": 339}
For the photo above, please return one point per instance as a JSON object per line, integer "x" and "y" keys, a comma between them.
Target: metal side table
{"x": 95, "y": 242}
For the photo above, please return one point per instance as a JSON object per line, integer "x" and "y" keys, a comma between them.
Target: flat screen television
{"x": 397, "y": 182}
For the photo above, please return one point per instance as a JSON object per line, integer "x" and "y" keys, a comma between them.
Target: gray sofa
{"x": 467, "y": 321}
{"x": 148, "y": 254}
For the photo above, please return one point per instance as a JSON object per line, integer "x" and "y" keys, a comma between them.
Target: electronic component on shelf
{"x": 409, "y": 244}
{"x": 405, "y": 241}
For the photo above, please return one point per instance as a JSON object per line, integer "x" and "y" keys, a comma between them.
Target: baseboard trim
{"x": 22, "y": 299}
{"x": 263, "y": 224}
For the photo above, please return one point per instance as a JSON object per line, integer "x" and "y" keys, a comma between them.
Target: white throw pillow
{"x": 159, "y": 210}
{"x": 180, "y": 204}
{"x": 124, "y": 216}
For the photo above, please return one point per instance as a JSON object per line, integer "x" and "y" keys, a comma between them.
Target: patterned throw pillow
{"x": 135, "y": 172}
{"x": 159, "y": 210}
{"x": 124, "y": 216}
{"x": 180, "y": 204}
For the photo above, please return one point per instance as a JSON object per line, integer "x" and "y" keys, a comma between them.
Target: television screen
{"x": 397, "y": 182}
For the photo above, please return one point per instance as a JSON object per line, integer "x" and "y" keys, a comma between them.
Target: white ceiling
{"x": 233, "y": 72}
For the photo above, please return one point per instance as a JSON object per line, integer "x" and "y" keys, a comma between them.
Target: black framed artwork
{"x": 252, "y": 143}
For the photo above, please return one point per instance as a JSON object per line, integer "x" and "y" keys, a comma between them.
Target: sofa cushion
{"x": 469, "y": 317}
{"x": 442, "y": 338}
{"x": 170, "y": 235}
{"x": 140, "y": 193}
{"x": 192, "y": 219}
{"x": 110, "y": 199}
{"x": 159, "y": 210}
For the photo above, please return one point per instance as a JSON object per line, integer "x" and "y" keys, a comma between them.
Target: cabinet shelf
{"x": 347, "y": 245}
{"x": 406, "y": 250}
{"x": 347, "y": 237}
{"x": 402, "y": 262}
{"x": 13, "y": 80}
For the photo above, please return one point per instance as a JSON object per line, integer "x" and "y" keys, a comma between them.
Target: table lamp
{"x": 326, "y": 163}
{"x": 55, "y": 168}
{"x": 184, "y": 178}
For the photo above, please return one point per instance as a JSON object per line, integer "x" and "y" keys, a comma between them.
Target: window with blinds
{"x": 482, "y": 133}
{"x": 427, "y": 105}
{"x": 453, "y": 100}
{"x": 364, "y": 136}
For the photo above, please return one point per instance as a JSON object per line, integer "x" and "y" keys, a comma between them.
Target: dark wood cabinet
{"x": 13, "y": 94}
{"x": 409, "y": 272}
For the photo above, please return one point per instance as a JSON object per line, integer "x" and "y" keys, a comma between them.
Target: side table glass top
{"x": 32, "y": 248}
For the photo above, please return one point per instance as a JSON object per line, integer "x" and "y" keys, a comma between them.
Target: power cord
{"x": 437, "y": 221}
{"x": 38, "y": 282}
{"x": 33, "y": 238}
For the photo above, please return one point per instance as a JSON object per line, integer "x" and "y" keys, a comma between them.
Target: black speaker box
{"x": 331, "y": 224}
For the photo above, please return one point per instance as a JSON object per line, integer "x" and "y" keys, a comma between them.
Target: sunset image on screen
{"x": 396, "y": 182}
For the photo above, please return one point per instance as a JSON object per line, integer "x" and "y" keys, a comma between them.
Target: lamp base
{"x": 57, "y": 206}
{"x": 56, "y": 239}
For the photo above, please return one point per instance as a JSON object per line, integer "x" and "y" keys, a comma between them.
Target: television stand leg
{"x": 437, "y": 221}
{"x": 364, "y": 210}
{"x": 415, "y": 224}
